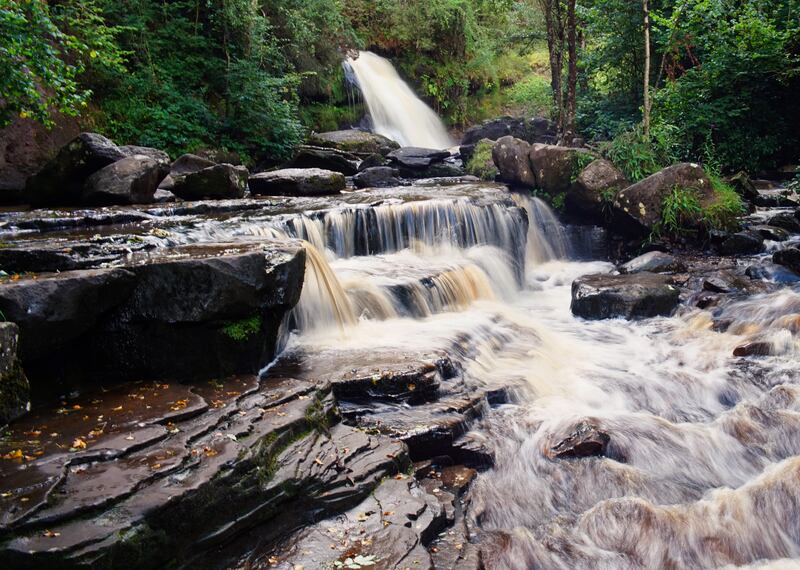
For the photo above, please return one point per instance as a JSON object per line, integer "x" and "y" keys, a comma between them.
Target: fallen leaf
{"x": 16, "y": 454}
{"x": 117, "y": 409}
{"x": 155, "y": 466}
{"x": 76, "y": 407}
{"x": 412, "y": 387}
{"x": 6, "y": 495}
{"x": 51, "y": 534}
{"x": 130, "y": 438}
{"x": 78, "y": 443}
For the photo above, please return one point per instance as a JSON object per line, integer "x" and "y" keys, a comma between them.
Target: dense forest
{"x": 253, "y": 77}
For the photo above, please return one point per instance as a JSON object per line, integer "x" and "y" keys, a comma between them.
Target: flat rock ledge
{"x": 635, "y": 296}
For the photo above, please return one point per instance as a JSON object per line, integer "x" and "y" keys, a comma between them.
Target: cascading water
{"x": 396, "y": 112}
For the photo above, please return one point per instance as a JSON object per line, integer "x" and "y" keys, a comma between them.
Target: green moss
{"x": 243, "y": 329}
{"x": 14, "y": 392}
{"x": 724, "y": 211}
{"x": 481, "y": 163}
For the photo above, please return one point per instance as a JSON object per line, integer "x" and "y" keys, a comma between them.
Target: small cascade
{"x": 323, "y": 302}
{"x": 396, "y": 112}
{"x": 547, "y": 239}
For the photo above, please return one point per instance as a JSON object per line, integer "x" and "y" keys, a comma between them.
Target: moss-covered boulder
{"x": 595, "y": 189}
{"x": 481, "y": 163}
{"x": 358, "y": 142}
{"x": 556, "y": 167}
{"x": 14, "y": 387}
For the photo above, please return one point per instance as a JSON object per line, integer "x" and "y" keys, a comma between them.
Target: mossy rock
{"x": 14, "y": 386}
{"x": 481, "y": 163}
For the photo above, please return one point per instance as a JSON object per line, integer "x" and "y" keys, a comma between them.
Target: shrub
{"x": 481, "y": 163}
{"x": 533, "y": 96}
{"x": 723, "y": 213}
{"x": 638, "y": 156}
{"x": 680, "y": 211}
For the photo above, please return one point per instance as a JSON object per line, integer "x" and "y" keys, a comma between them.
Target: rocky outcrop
{"x": 636, "y": 296}
{"x": 326, "y": 159}
{"x": 147, "y": 320}
{"x": 641, "y": 204}
{"x": 357, "y": 142}
{"x": 653, "y": 262}
{"x": 131, "y": 180}
{"x": 587, "y": 439}
{"x": 61, "y": 181}
{"x": 218, "y": 182}
{"x": 377, "y": 177}
{"x": 556, "y": 167}
{"x": 594, "y": 190}
{"x": 416, "y": 158}
{"x": 14, "y": 388}
{"x": 535, "y": 130}
{"x": 510, "y": 155}
{"x": 297, "y": 182}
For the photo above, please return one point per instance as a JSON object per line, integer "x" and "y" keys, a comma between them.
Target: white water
{"x": 396, "y": 111}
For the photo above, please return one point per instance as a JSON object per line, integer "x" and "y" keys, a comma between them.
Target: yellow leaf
{"x": 93, "y": 54}
{"x": 79, "y": 443}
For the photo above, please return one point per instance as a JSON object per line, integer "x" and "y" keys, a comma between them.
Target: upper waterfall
{"x": 395, "y": 109}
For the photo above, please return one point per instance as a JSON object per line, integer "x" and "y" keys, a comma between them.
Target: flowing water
{"x": 703, "y": 468}
{"x": 392, "y": 105}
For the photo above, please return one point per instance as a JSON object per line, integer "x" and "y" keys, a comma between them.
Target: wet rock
{"x": 436, "y": 171}
{"x": 742, "y": 243}
{"x": 640, "y": 295}
{"x": 724, "y": 282}
{"x": 221, "y": 181}
{"x": 297, "y": 182}
{"x": 753, "y": 349}
{"x": 789, "y": 258}
{"x": 414, "y": 385}
{"x": 587, "y": 440}
{"x": 14, "y": 387}
{"x": 415, "y": 158}
{"x": 61, "y": 181}
{"x": 774, "y": 199}
{"x": 153, "y": 153}
{"x": 641, "y": 203}
{"x": 162, "y": 196}
{"x": 744, "y": 186}
{"x": 189, "y": 163}
{"x": 325, "y": 159}
{"x": 595, "y": 189}
{"x": 536, "y": 130}
{"x": 555, "y": 167}
{"x": 772, "y": 233}
{"x": 510, "y": 155}
{"x": 131, "y": 180}
{"x": 788, "y": 222}
{"x": 358, "y": 142}
{"x": 653, "y": 262}
{"x": 377, "y": 177}
{"x": 372, "y": 161}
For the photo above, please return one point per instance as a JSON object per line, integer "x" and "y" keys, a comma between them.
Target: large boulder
{"x": 536, "y": 130}
{"x": 744, "y": 186}
{"x": 297, "y": 182}
{"x": 653, "y": 262}
{"x": 641, "y": 203}
{"x": 788, "y": 222}
{"x": 789, "y": 258}
{"x": 325, "y": 158}
{"x": 14, "y": 387}
{"x": 220, "y": 181}
{"x": 595, "y": 189}
{"x": 61, "y": 181}
{"x": 416, "y": 158}
{"x": 154, "y": 153}
{"x": 377, "y": 177}
{"x": 358, "y": 142}
{"x": 510, "y": 155}
{"x": 556, "y": 167}
{"x": 742, "y": 243}
{"x": 132, "y": 180}
{"x": 188, "y": 163}
{"x": 635, "y": 296}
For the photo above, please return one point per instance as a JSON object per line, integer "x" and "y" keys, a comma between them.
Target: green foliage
{"x": 724, "y": 211}
{"x": 243, "y": 329}
{"x": 638, "y": 156}
{"x": 43, "y": 53}
{"x": 533, "y": 96}
{"x": 481, "y": 163}
{"x": 680, "y": 211}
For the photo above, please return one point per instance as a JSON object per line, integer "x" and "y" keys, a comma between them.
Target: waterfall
{"x": 397, "y": 113}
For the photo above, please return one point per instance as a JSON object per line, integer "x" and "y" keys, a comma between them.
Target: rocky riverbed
{"x": 414, "y": 374}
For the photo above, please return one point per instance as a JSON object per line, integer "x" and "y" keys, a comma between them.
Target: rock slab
{"x": 636, "y": 296}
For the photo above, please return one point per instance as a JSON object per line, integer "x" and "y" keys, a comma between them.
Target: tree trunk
{"x": 555, "y": 47}
{"x": 572, "y": 74}
{"x": 646, "y": 111}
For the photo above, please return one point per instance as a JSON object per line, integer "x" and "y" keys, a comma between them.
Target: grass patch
{"x": 481, "y": 163}
{"x": 533, "y": 96}
{"x": 244, "y": 329}
{"x": 724, "y": 212}
{"x": 680, "y": 211}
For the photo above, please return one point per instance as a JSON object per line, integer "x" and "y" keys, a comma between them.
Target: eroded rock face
{"x": 199, "y": 312}
{"x": 636, "y": 296}
{"x": 14, "y": 387}
{"x": 220, "y": 181}
{"x": 131, "y": 180}
{"x": 595, "y": 190}
{"x": 555, "y": 167}
{"x": 653, "y": 262}
{"x": 297, "y": 182}
{"x": 61, "y": 181}
{"x": 326, "y": 159}
{"x": 359, "y": 142}
{"x": 641, "y": 203}
{"x": 510, "y": 155}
